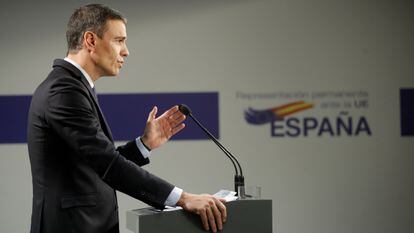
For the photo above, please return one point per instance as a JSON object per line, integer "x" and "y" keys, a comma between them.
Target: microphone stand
{"x": 238, "y": 178}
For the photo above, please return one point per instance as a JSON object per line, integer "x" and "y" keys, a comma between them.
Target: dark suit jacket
{"x": 75, "y": 165}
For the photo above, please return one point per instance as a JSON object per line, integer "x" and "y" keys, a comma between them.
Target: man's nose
{"x": 125, "y": 52}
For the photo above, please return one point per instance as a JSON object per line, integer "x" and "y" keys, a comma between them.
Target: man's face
{"x": 111, "y": 49}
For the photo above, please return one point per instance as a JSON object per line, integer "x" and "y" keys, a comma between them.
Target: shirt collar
{"x": 88, "y": 78}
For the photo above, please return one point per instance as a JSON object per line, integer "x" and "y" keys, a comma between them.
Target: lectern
{"x": 243, "y": 216}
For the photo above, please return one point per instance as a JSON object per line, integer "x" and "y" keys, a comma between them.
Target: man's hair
{"x": 92, "y": 17}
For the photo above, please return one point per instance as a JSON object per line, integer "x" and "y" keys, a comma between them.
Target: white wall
{"x": 317, "y": 184}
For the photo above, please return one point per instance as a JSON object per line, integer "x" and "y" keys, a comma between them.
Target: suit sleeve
{"x": 131, "y": 152}
{"x": 71, "y": 115}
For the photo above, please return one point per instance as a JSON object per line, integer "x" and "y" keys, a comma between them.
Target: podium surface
{"x": 242, "y": 216}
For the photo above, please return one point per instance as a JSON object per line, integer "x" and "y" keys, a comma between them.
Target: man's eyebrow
{"x": 120, "y": 37}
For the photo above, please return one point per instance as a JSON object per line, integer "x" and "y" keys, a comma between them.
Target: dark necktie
{"x": 94, "y": 92}
{"x": 102, "y": 115}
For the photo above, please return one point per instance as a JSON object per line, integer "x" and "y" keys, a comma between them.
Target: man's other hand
{"x": 211, "y": 210}
{"x": 159, "y": 130}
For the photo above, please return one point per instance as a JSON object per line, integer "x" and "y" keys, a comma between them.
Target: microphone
{"x": 238, "y": 178}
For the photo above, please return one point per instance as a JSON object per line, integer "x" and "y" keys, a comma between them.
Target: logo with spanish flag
{"x": 260, "y": 117}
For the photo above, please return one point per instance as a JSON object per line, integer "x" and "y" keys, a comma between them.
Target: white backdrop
{"x": 324, "y": 184}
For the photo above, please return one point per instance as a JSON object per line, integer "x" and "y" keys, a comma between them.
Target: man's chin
{"x": 112, "y": 74}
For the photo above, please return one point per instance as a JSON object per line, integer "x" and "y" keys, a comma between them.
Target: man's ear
{"x": 89, "y": 40}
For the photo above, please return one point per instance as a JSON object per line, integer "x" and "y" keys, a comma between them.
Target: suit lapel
{"x": 76, "y": 72}
{"x": 101, "y": 115}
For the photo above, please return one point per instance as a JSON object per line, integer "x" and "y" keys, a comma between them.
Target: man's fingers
{"x": 152, "y": 114}
{"x": 204, "y": 219}
{"x": 218, "y": 217}
{"x": 209, "y": 208}
{"x": 222, "y": 208}
{"x": 176, "y": 122}
{"x": 211, "y": 219}
{"x": 177, "y": 125}
{"x": 177, "y": 118}
{"x": 177, "y": 129}
{"x": 170, "y": 111}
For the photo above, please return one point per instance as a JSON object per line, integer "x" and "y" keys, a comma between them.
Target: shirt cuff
{"x": 174, "y": 196}
{"x": 142, "y": 148}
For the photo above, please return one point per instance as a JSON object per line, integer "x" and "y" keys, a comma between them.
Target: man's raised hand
{"x": 159, "y": 130}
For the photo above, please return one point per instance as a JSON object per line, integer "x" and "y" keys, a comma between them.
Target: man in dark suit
{"x": 76, "y": 167}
